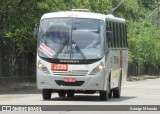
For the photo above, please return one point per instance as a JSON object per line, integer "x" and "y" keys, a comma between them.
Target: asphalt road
{"x": 145, "y": 92}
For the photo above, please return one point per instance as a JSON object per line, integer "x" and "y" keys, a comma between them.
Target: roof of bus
{"x": 79, "y": 14}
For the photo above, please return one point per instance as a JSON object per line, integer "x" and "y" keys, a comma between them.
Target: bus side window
{"x": 123, "y": 42}
{"x": 117, "y": 35}
{"x": 108, "y": 29}
{"x": 114, "y": 34}
{"x": 125, "y": 32}
{"x": 121, "y": 36}
{"x": 124, "y": 36}
{"x": 111, "y": 27}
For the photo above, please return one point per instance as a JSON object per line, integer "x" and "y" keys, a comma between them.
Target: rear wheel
{"x": 110, "y": 94}
{"x": 117, "y": 91}
{"x": 109, "y": 86}
{"x": 46, "y": 94}
{"x": 103, "y": 95}
{"x": 70, "y": 93}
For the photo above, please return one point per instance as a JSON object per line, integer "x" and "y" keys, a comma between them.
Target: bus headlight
{"x": 43, "y": 68}
{"x": 97, "y": 69}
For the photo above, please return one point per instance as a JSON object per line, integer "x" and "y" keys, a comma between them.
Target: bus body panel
{"x": 91, "y": 82}
{"x": 113, "y": 68}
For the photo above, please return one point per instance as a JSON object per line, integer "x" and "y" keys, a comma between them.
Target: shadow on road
{"x": 122, "y": 98}
{"x": 16, "y": 91}
{"x": 90, "y": 98}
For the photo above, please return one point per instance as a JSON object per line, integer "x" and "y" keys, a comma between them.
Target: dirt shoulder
{"x": 143, "y": 77}
{"x": 20, "y": 88}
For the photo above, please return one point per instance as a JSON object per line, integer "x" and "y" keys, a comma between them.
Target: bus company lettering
{"x": 69, "y": 61}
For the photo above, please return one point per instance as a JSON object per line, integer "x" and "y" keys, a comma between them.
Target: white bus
{"x": 81, "y": 52}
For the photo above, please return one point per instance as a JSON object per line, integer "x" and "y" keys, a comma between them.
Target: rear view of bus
{"x": 73, "y": 55}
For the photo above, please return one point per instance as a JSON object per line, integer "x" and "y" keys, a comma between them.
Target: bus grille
{"x": 62, "y": 83}
{"x": 71, "y": 73}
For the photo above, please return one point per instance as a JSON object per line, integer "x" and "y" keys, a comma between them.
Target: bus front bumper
{"x": 82, "y": 83}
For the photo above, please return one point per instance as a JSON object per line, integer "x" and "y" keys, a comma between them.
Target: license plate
{"x": 59, "y": 67}
{"x": 69, "y": 80}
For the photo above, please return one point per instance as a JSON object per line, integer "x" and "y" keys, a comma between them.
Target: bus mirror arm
{"x": 109, "y": 35}
{"x": 36, "y": 30}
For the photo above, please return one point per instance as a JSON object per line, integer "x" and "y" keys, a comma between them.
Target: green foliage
{"x": 129, "y": 9}
{"x": 143, "y": 43}
{"x": 148, "y": 4}
{"x": 18, "y": 17}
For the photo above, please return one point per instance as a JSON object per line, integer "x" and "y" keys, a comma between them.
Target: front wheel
{"x": 46, "y": 94}
{"x": 103, "y": 95}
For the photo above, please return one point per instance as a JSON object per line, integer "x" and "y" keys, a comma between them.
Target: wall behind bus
{"x": 13, "y": 67}
{"x": 142, "y": 69}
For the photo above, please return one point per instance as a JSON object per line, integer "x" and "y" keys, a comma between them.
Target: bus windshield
{"x": 71, "y": 38}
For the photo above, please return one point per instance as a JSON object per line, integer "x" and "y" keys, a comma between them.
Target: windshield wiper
{"x": 79, "y": 50}
{"x": 61, "y": 48}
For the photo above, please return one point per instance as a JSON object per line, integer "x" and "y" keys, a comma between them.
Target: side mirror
{"x": 109, "y": 35}
{"x": 36, "y": 30}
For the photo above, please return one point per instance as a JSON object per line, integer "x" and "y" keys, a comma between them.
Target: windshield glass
{"x": 71, "y": 38}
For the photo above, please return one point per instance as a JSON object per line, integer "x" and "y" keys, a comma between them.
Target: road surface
{"x": 145, "y": 92}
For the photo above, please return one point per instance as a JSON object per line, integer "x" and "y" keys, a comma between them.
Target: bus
{"x": 79, "y": 51}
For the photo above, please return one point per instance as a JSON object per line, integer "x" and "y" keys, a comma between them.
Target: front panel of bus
{"x": 70, "y": 54}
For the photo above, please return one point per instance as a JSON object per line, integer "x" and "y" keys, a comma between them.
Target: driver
{"x": 62, "y": 34}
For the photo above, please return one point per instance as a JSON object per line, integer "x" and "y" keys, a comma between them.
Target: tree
{"x": 18, "y": 17}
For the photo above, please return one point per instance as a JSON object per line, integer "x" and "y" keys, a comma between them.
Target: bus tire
{"x": 110, "y": 91}
{"x": 61, "y": 93}
{"x": 103, "y": 95}
{"x": 110, "y": 94}
{"x": 70, "y": 93}
{"x": 117, "y": 91}
{"x": 46, "y": 94}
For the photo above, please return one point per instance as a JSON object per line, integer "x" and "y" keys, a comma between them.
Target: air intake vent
{"x": 71, "y": 73}
{"x": 62, "y": 83}
{"x": 81, "y": 10}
